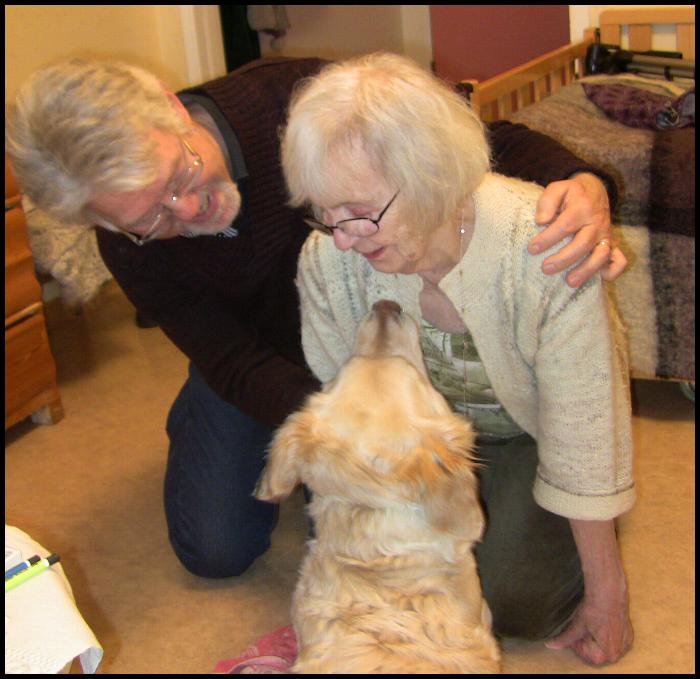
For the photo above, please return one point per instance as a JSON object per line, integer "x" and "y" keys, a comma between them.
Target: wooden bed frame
{"x": 499, "y": 97}
{"x": 659, "y": 342}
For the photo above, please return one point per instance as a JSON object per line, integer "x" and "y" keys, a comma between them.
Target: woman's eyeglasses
{"x": 361, "y": 227}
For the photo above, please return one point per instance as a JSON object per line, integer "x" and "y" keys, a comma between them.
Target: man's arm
{"x": 521, "y": 152}
{"x": 241, "y": 335}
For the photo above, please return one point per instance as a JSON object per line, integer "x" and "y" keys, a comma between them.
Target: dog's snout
{"x": 387, "y": 306}
{"x": 389, "y": 331}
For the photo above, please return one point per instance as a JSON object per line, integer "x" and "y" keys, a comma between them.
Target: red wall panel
{"x": 480, "y": 41}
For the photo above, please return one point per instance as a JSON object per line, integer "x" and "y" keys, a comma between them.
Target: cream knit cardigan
{"x": 554, "y": 354}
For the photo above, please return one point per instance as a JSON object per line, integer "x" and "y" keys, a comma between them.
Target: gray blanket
{"x": 654, "y": 222}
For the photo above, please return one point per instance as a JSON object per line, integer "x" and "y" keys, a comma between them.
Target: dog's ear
{"x": 285, "y": 457}
{"x": 452, "y": 506}
{"x": 450, "y": 496}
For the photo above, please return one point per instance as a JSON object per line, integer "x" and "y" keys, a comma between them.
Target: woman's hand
{"x": 578, "y": 207}
{"x": 600, "y": 630}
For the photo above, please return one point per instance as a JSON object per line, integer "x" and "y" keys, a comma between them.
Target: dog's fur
{"x": 389, "y": 584}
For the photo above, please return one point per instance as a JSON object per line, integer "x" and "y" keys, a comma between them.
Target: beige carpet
{"x": 89, "y": 488}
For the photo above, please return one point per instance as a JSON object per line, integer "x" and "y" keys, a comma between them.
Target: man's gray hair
{"x": 79, "y": 128}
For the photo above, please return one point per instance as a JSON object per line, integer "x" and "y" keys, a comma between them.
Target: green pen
{"x": 30, "y": 572}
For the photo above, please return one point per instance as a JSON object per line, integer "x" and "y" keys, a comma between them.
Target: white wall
{"x": 337, "y": 31}
{"x": 417, "y": 41}
{"x": 181, "y": 44}
{"x": 341, "y": 31}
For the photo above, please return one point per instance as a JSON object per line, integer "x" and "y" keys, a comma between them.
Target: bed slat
{"x": 610, "y": 34}
{"x": 685, "y": 40}
{"x": 640, "y": 21}
{"x": 640, "y": 37}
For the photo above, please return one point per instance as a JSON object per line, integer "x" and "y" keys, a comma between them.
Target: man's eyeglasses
{"x": 148, "y": 227}
{"x": 356, "y": 226}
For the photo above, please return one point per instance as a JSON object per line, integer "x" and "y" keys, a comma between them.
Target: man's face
{"x": 192, "y": 194}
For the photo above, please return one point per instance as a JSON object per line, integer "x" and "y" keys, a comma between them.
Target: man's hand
{"x": 578, "y": 207}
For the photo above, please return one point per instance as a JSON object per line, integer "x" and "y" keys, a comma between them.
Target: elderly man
{"x": 189, "y": 196}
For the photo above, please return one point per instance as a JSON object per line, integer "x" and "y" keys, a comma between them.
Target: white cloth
{"x": 44, "y": 630}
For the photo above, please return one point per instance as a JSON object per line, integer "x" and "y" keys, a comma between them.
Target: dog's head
{"x": 380, "y": 434}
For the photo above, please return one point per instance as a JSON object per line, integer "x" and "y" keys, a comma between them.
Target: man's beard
{"x": 225, "y": 194}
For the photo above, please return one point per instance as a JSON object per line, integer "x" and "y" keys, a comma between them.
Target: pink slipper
{"x": 273, "y": 654}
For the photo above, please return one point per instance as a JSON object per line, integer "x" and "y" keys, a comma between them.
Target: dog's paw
{"x": 264, "y": 492}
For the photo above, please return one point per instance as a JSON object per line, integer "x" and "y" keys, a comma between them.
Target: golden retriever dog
{"x": 389, "y": 584}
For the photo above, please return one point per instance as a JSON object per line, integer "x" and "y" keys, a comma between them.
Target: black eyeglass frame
{"x": 328, "y": 229}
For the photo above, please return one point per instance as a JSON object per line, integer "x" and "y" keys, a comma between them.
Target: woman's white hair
{"x": 80, "y": 127}
{"x": 419, "y": 134}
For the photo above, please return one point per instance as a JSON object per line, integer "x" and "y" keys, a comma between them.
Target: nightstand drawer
{"x": 21, "y": 286}
{"x": 30, "y": 371}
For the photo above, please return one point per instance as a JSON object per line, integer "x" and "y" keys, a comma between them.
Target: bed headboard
{"x": 639, "y": 23}
{"x": 504, "y": 94}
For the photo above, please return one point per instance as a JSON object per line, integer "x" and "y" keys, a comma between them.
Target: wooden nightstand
{"x": 30, "y": 370}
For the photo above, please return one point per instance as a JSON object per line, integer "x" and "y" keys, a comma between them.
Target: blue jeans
{"x": 216, "y": 456}
{"x": 528, "y": 562}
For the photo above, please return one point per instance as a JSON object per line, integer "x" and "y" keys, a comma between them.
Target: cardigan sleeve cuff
{"x": 583, "y": 507}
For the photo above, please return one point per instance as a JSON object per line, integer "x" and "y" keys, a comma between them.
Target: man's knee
{"x": 218, "y": 559}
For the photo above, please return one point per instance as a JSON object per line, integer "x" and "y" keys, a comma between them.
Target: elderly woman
{"x": 396, "y": 169}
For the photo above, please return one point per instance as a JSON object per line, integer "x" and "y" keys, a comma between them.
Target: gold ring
{"x": 605, "y": 241}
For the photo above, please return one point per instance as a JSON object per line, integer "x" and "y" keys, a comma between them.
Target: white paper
{"x": 44, "y": 630}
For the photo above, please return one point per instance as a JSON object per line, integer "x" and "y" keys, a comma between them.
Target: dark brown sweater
{"x": 230, "y": 304}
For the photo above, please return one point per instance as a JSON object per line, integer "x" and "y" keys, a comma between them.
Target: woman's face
{"x": 360, "y": 191}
